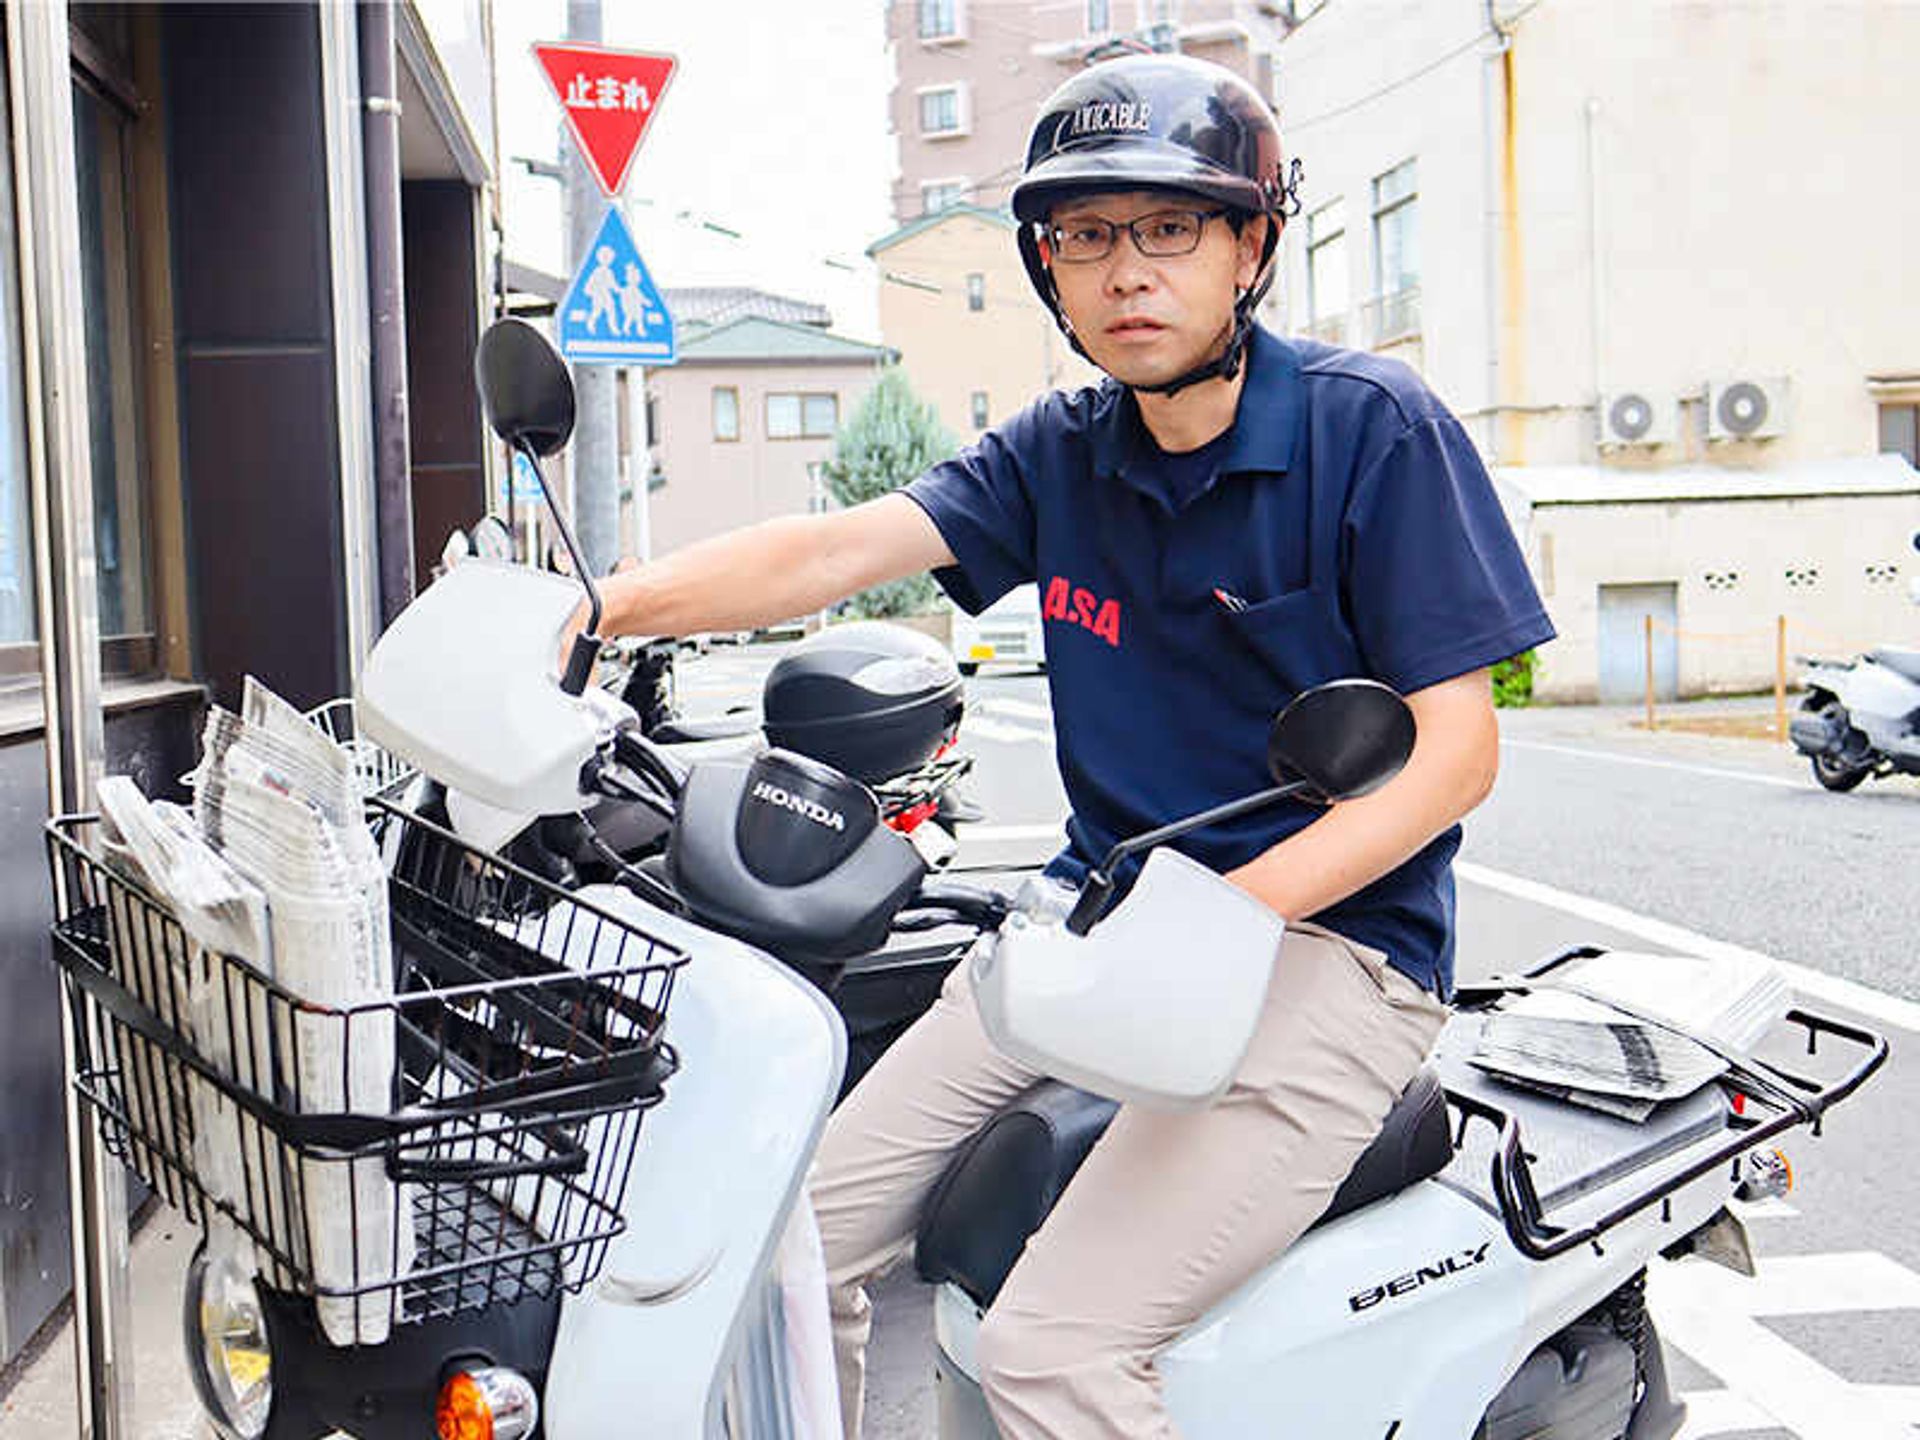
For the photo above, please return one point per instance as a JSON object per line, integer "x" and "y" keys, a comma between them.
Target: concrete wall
{"x": 1835, "y": 566}
{"x": 714, "y": 486}
{"x": 1010, "y": 349}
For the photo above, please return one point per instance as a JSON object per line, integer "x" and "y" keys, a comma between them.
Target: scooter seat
{"x": 1905, "y": 663}
{"x": 1002, "y": 1184}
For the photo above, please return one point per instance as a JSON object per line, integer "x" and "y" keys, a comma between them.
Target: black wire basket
{"x": 462, "y": 1145}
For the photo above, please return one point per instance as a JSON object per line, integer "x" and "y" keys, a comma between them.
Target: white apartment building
{"x": 1658, "y": 259}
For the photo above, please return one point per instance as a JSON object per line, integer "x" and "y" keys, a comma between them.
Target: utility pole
{"x": 596, "y": 459}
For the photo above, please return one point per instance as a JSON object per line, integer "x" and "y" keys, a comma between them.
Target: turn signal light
{"x": 1764, "y": 1175}
{"x": 488, "y": 1403}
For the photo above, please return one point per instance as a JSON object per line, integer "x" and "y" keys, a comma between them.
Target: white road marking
{"x": 1753, "y": 776}
{"x": 1772, "y": 1208}
{"x": 1875, "y": 1004}
{"x": 1710, "y": 1313}
{"x": 1720, "y": 1412}
{"x": 984, "y": 729}
{"x": 992, "y": 833}
{"x": 1019, "y": 709}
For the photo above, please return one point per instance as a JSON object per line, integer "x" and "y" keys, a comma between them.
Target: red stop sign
{"x": 609, "y": 97}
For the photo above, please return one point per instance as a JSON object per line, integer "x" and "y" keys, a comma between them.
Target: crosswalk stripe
{"x": 1710, "y": 1314}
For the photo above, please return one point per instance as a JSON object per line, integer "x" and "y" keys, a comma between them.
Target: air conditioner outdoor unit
{"x": 1634, "y": 417}
{"x": 1747, "y": 409}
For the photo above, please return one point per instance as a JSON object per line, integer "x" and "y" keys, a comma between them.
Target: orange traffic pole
{"x": 1647, "y": 626}
{"x": 1780, "y": 678}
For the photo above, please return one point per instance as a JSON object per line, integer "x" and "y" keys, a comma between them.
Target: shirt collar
{"x": 1264, "y": 426}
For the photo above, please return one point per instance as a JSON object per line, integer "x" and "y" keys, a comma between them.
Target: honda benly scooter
{"x": 1480, "y": 1274}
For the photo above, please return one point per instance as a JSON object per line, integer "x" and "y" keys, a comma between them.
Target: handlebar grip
{"x": 586, "y": 650}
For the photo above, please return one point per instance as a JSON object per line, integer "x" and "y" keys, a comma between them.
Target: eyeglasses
{"x": 1163, "y": 233}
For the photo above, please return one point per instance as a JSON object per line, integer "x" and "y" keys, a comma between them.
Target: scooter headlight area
{"x": 229, "y": 1354}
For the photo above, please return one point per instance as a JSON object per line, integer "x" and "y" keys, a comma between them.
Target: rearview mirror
{"x": 524, "y": 387}
{"x": 1344, "y": 739}
{"x": 1337, "y": 741}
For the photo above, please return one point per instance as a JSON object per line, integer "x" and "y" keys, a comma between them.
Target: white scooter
{"x": 1479, "y": 1275}
{"x": 1861, "y": 717}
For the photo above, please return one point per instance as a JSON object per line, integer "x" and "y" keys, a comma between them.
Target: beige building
{"x": 973, "y": 337}
{"x": 741, "y": 424}
{"x": 1651, "y": 256}
{"x": 1716, "y": 558}
{"x": 971, "y": 74}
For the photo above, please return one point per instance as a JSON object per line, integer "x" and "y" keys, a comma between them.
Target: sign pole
{"x": 612, "y": 314}
{"x": 596, "y": 460}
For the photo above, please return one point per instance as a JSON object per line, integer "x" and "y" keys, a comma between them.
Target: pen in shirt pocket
{"x": 1228, "y": 601}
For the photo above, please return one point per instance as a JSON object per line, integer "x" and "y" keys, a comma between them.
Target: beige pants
{"x": 1170, "y": 1213}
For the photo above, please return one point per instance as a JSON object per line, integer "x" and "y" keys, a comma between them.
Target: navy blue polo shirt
{"x": 1344, "y": 525}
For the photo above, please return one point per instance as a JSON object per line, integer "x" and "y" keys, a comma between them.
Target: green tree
{"x": 891, "y": 437}
{"x": 1513, "y": 680}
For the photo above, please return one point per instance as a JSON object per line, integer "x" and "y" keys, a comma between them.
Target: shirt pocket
{"x": 1300, "y": 638}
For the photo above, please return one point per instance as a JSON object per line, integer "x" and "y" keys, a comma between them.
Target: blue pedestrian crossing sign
{"x": 613, "y": 313}
{"x": 520, "y": 482}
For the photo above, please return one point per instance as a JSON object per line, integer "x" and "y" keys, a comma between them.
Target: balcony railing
{"x": 1329, "y": 328}
{"x": 1387, "y": 318}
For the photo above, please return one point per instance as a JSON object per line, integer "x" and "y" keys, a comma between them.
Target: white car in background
{"x": 1005, "y": 633}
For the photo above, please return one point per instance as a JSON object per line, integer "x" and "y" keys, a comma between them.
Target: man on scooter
{"x": 1226, "y": 521}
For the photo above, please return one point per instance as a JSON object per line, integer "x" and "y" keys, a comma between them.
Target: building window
{"x": 117, "y": 443}
{"x": 943, "y": 111}
{"x": 17, "y": 628}
{"x": 938, "y": 195}
{"x": 1396, "y": 254}
{"x": 726, "y": 413}
{"x": 979, "y": 407}
{"x": 793, "y": 416}
{"x": 942, "y": 19}
{"x": 976, "y": 291}
{"x": 1900, "y": 431}
{"x": 1099, "y": 16}
{"x": 1327, "y": 285}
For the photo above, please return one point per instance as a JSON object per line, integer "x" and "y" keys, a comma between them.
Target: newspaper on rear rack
{"x": 282, "y": 804}
{"x": 1612, "y": 1031}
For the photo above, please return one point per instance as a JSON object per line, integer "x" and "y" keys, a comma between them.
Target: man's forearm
{"x": 773, "y": 571}
{"x": 1455, "y": 756}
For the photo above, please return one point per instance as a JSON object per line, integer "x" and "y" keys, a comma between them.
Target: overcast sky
{"x": 775, "y": 126}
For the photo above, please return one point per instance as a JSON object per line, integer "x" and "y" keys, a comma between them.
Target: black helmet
{"x": 1153, "y": 122}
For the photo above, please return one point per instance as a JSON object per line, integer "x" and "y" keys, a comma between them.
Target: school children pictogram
{"x": 613, "y": 313}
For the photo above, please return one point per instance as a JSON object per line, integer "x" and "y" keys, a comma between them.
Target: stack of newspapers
{"x": 1622, "y": 1031}
{"x": 276, "y": 866}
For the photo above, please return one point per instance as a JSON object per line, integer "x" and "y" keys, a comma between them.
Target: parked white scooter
{"x": 1479, "y": 1277}
{"x": 1861, "y": 717}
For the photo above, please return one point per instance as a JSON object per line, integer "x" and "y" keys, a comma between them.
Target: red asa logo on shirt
{"x": 1068, "y": 602}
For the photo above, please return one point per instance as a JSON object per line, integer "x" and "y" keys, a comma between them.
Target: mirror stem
{"x": 1096, "y": 892}
{"x": 586, "y": 645}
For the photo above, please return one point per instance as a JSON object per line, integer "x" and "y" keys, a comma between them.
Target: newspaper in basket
{"x": 510, "y": 1107}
